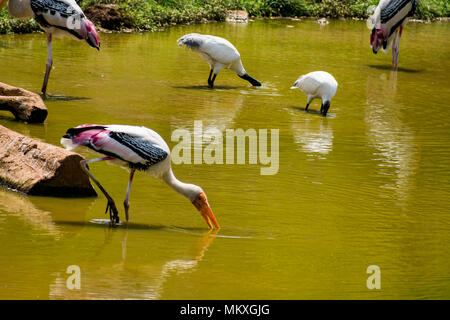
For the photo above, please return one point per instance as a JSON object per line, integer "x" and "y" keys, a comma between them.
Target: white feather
{"x": 317, "y": 84}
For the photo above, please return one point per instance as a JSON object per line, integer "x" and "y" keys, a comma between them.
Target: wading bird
{"x": 57, "y": 18}
{"x": 387, "y": 24}
{"x": 219, "y": 53}
{"x": 135, "y": 148}
{"x": 317, "y": 84}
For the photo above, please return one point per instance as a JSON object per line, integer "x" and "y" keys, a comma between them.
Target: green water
{"x": 368, "y": 185}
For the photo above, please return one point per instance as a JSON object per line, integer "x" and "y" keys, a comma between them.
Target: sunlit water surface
{"x": 368, "y": 185}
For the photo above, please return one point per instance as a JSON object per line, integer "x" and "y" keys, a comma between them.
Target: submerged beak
{"x": 202, "y": 205}
{"x": 293, "y": 87}
{"x": 2, "y": 3}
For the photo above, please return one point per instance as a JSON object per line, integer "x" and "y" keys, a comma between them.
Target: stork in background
{"x": 57, "y": 18}
{"x": 135, "y": 148}
{"x": 387, "y": 24}
{"x": 317, "y": 84}
{"x": 219, "y": 53}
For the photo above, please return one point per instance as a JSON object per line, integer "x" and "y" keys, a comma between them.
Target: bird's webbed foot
{"x": 113, "y": 212}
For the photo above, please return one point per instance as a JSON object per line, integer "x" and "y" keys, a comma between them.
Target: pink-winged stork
{"x": 219, "y": 53}
{"x": 387, "y": 24}
{"x": 317, "y": 84}
{"x": 57, "y": 18}
{"x": 134, "y": 148}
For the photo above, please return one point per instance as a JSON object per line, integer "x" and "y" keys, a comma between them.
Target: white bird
{"x": 134, "y": 148}
{"x": 57, "y": 18}
{"x": 317, "y": 84}
{"x": 219, "y": 53}
{"x": 387, "y": 24}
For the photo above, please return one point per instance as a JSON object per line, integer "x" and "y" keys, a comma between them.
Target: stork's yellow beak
{"x": 2, "y": 3}
{"x": 202, "y": 205}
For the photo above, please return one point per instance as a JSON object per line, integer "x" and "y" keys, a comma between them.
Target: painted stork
{"x": 317, "y": 84}
{"x": 135, "y": 148}
{"x": 219, "y": 53}
{"x": 387, "y": 24}
{"x": 57, "y": 18}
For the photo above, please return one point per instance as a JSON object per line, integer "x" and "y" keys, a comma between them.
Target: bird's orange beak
{"x": 202, "y": 205}
{"x": 2, "y": 3}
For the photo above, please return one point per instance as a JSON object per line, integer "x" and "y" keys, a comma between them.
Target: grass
{"x": 155, "y": 14}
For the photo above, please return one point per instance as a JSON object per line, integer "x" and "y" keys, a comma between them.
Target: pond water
{"x": 367, "y": 185}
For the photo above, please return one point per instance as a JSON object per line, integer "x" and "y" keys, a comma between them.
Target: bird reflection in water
{"x": 148, "y": 271}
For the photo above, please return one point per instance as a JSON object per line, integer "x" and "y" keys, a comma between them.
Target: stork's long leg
{"x": 217, "y": 68}
{"x": 307, "y": 106}
{"x": 126, "y": 202}
{"x": 394, "y": 51}
{"x": 396, "y": 48}
{"x": 48, "y": 66}
{"x": 209, "y": 78}
{"x": 307, "y": 103}
{"x": 111, "y": 206}
{"x": 211, "y": 84}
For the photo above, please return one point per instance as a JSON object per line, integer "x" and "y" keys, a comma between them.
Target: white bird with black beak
{"x": 57, "y": 18}
{"x": 219, "y": 53}
{"x": 134, "y": 148}
{"x": 317, "y": 84}
{"x": 387, "y": 24}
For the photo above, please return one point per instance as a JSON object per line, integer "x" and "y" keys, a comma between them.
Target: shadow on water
{"x": 314, "y": 112}
{"x": 102, "y": 223}
{"x": 196, "y": 231}
{"x": 9, "y": 118}
{"x": 205, "y": 87}
{"x": 389, "y": 68}
{"x": 48, "y": 97}
{"x": 6, "y": 117}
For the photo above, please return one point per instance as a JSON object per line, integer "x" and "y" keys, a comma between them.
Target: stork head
{"x": 2, "y": 3}
{"x": 297, "y": 82}
{"x": 376, "y": 39}
{"x": 89, "y": 33}
{"x": 202, "y": 205}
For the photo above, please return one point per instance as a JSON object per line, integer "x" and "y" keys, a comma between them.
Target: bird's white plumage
{"x": 157, "y": 169}
{"x": 141, "y": 132}
{"x": 64, "y": 16}
{"x": 143, "y": 139}
{"x": 216, "y": 51}
{"x": 375, "y": 18}
{"x": 317, "y": 84}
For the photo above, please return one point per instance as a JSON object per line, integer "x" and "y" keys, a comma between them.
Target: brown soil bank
{"x": 106, "y": 15}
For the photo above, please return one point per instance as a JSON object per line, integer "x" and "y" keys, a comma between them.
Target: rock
{"x": 106, "y": 15}
{"x": 25, "y": 105}
{"x": 322, "y": 21}
{"x": 38, "y": 168}
{"x": 237, "y": 16}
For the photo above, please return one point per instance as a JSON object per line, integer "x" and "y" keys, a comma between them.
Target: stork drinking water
{"x": 317, "y": 84}
{"x": 57, "y": 18}
{"x": 135, "y": 148}
{"x": 219, "y": 53}
{"x": 387, "y": 24}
